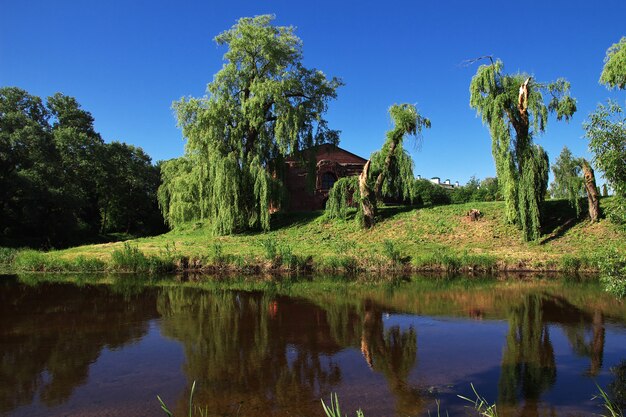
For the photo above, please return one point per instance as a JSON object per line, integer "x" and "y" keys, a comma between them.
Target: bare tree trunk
{"x": 369, "y": 210}
{"x": 593, "y": 197}
{"x": 381, "y": 177}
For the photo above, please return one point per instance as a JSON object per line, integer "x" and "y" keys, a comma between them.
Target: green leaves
{"x": 614, "y": 71}
{"x": 262, "y": 106}
{"x": 606, "y": 131}
{"x": 568, "y": 181}
{"x": 513, "y": 119}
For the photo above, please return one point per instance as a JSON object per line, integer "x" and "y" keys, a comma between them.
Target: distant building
{"x": 331, "y": 163}
{"x": 445, "y": 184}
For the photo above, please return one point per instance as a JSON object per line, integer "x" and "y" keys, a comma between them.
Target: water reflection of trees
{"x": 252, "y": 351}
{"x": 50, "y": 334}
{"x": 272, "y": 355}
{"x": 267, "y": 355}
{"x": 528, "y": 365}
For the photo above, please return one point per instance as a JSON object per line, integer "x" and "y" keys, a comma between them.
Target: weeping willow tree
{"x": 262, "y": 105}
{"x": 513, "y": 107}
{"x": 389, "y": 172}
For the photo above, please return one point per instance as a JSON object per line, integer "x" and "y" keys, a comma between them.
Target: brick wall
{"x": 331, "y": 160}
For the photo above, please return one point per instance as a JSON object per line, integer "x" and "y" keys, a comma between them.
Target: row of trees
{"x": 264, "y": 105}
{"x": 60, "y": 183}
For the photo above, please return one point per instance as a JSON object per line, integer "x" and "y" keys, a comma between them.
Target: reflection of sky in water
{"x": 125, "y": 381}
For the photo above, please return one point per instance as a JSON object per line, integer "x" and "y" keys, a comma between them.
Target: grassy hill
{"x": 405, "y": 239}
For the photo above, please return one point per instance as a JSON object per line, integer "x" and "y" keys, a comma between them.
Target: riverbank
{"x": 405, "y": 240}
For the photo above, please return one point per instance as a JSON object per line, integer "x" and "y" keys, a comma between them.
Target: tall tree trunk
{"x": 369, "y": 209}
{"x": 593, "y": 197}
{"x": 381, "y": 176}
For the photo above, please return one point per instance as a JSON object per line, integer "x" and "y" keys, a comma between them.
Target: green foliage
{"x": 609, "y": 405}
{"x": 190, "y": 408}
{"x": 481, "y": 405}
{"x": 60, "y": 183}
{"x": 391, "y": 252}
{"x": 398, "y": 175}
{"x": 614, "y": 71}
{"x": 613, "y": 273}
{"x": 36, "y": 261}
{"x": 568, "y": 181}
{"x": 606, "y": 131}
{"x": 270, "y": 248}
{"x": 344, "y": 195}
{"x": 262, "y": 105}
{"x": 513, "y": 120}
{"x": 428, "y": 194}
{"x": 474, "y": 190}
{"x": 392, "y": 166}
{"x": 131, "y": 259}
{"x": 7, "y": 255}
{"x": 333, "y": 410}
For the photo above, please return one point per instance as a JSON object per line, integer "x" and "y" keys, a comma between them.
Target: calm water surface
{"x": 535, "y": 348}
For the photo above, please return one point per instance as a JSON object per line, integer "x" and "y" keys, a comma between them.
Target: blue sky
{"x": 126, "y": 61}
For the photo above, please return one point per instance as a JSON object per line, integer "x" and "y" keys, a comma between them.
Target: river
{"x": 108, "y": 347}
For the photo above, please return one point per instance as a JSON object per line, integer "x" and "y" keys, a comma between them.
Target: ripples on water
{"x": 90, "y": 349}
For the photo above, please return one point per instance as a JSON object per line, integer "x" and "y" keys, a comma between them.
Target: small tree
{"x": 387, "y": 172}
{"x": 513, "y": 107}
{"x": 568, "y": 182}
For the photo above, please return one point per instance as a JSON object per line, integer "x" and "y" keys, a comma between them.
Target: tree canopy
{"x": 514, "y": 108}
{"x": 59, "y": 181}
{"x": 614, "y": 71}
{"x": 261, "y": 106}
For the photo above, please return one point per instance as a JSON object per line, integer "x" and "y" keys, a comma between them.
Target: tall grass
{"x": 35, "y": 261}
{"x": 610, "y": 406}
{"x": 130, "y": 259}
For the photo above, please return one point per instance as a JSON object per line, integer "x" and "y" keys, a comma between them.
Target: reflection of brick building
{"x": 332, "y": 163}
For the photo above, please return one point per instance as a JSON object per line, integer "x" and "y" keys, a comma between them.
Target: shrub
{"x": 31, "y": 260}
{"x": 613, "y": 273}
{"x": 391, "y": 252}
{"x": 7, "y": 255}
{"x": 270, "y": 247}
{"x": 131, "y": 259}
{"x": 570, "y": 263}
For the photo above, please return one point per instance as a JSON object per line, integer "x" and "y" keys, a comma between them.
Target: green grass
{"x": 404, "y": 240}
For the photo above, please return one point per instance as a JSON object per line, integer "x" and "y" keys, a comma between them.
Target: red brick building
{"x": 332, "y": 163}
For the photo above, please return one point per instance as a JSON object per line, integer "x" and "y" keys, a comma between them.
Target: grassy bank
{"x": 439, "y": 238}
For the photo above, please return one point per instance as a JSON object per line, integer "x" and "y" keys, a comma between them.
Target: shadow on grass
{"x": 559, "y": 217}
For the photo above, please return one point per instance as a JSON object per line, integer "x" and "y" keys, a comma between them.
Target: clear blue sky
{"x": 126, "y": 61}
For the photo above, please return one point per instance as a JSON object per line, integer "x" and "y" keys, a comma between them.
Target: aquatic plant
{"x": 333, "y": 409}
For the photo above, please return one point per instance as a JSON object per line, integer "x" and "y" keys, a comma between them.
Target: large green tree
{"x": 60, "y": 183}
{"x": 614, "y": 71}
{"x": 514, "y": 108}
{"x": 261, "y": 106}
